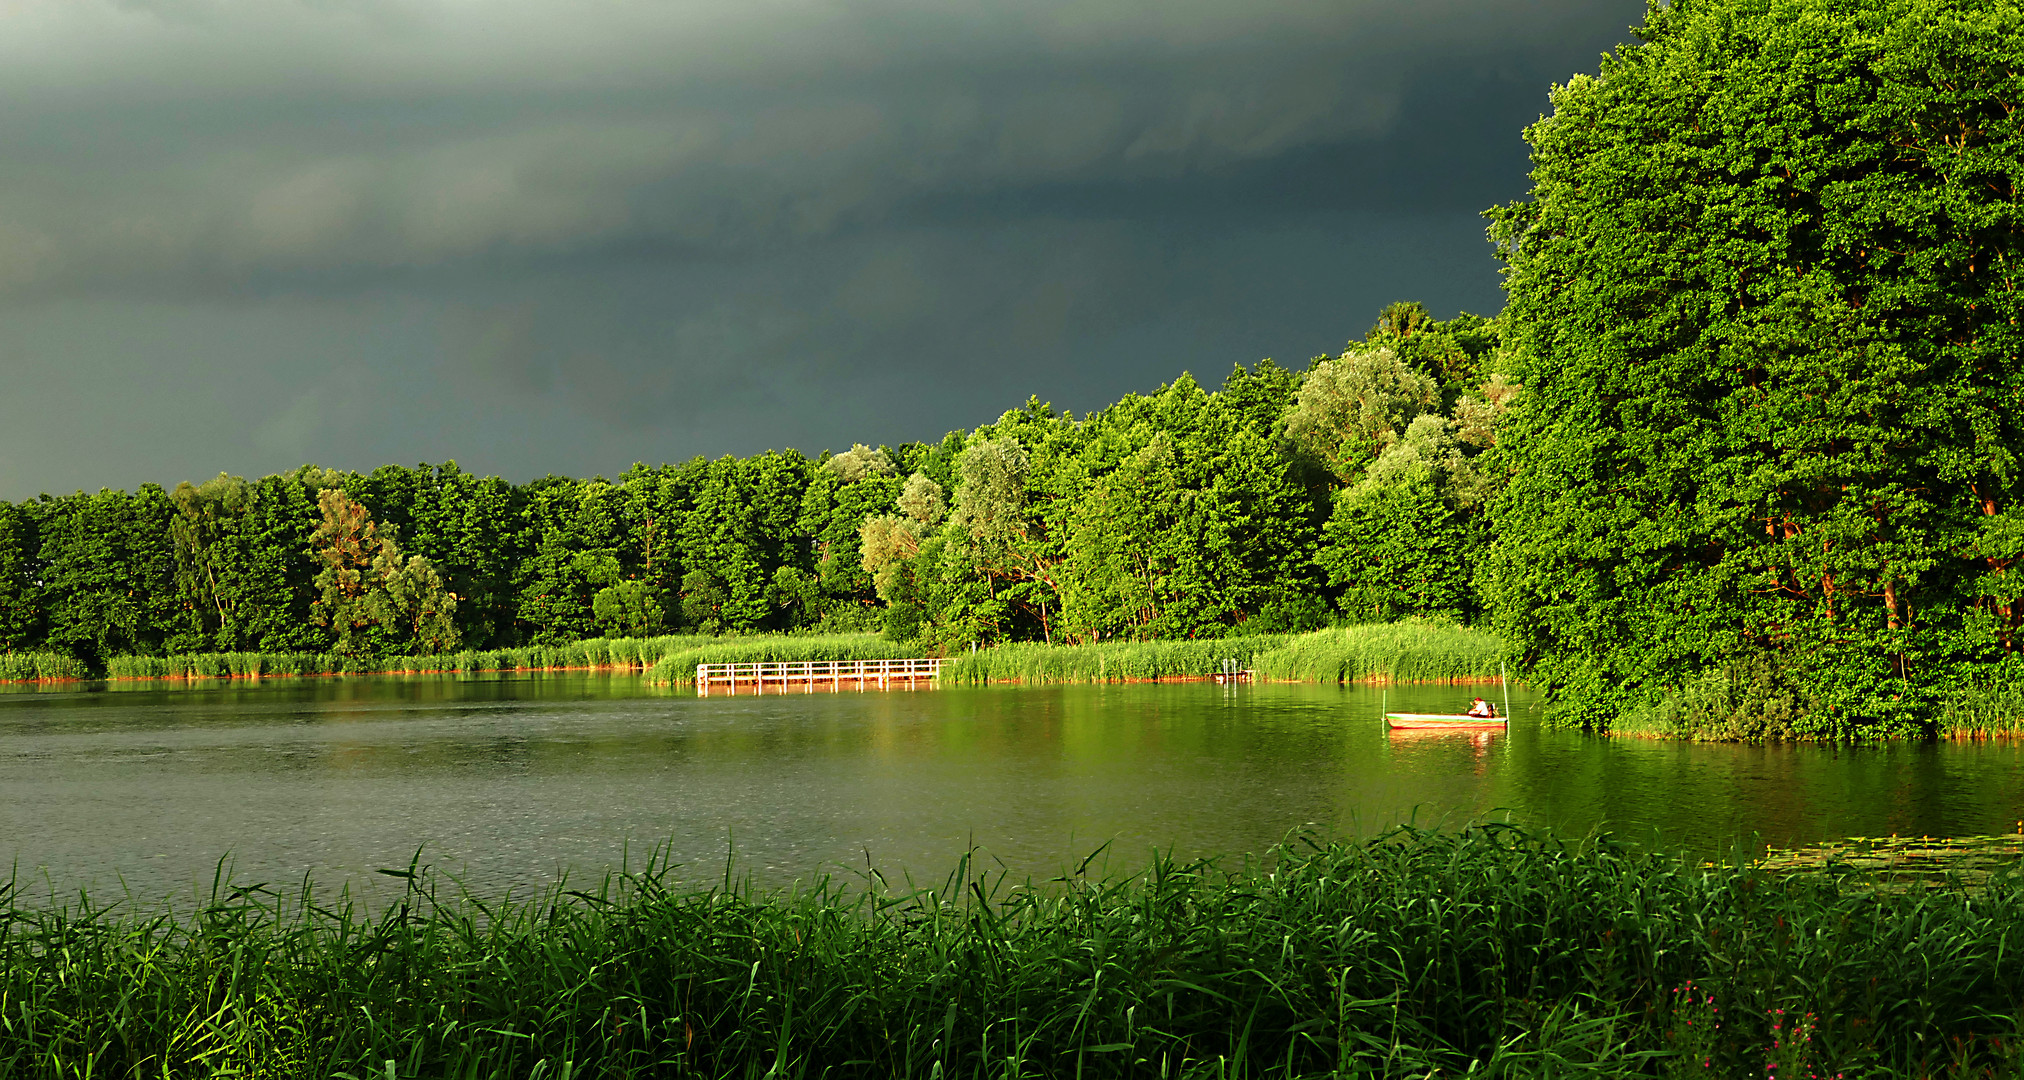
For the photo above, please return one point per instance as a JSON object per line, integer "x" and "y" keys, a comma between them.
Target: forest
{"x": 1281, "y": 501}
{"x": 1739, "y": 457}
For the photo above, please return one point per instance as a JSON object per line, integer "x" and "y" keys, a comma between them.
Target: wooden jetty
{"x": 812, "y": 675}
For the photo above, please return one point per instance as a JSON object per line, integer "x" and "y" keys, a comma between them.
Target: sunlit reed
{"x": 1490, "y": 951}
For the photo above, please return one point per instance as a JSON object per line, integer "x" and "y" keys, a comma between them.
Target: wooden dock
{"x": 813, "y": 675}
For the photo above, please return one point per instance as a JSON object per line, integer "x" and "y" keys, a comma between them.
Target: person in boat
{"x": 1483, "y": 709}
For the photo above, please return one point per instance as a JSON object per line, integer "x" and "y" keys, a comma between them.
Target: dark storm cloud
{"x": 623, "y": 229}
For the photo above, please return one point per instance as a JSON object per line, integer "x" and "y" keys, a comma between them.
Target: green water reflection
{"x": 507, "y": 781}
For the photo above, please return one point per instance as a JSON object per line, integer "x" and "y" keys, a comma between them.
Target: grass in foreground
{"x": 1491, "y": 951}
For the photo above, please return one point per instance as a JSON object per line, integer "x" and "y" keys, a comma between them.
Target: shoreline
{"x": 1956, "y": 736}
{"x": 1373, "y": 680}
{"x": 257, "y": 676}
{"x": 1937, "y": 736}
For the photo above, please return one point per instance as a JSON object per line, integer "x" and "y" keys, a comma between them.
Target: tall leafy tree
{"x": 834, "y": 512}
{"x": 209, "y": 558}
{"x": 1352, "y": 406}
{"x": 346, "y": 542}
{"x": 20, "y": 580}
{"x": 109, "y": 573}
{"x": 1004, "y": 540}
{"x": 373, "y": 599}
{"x": 1398, "y": 541}
{"x": 277, "y": 584}
{"x": 725, "y": 551}
{"x": 474, "y": 529}
{"x": 789, "y": 590}
{"x": 576, "y": 537}
{"x": 1764, "y": 303}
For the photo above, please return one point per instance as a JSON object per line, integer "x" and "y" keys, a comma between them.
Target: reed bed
{"x": 592, "y": 653}
{"x": 1412, "y": 650}
{"x": 1491, "y": 951}
{"x": 39, "y": 667}
{"x": 1415, "y": 650}
{"x": 589, "y": 653}
{"x": 1110, "y": 661}
{"x": 1994, "y": 710}
{"x": 228, "y": 665}
{"x": 680, "y": 665}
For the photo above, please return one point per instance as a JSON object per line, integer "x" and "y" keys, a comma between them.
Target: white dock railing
{"x": 811, "y": 674}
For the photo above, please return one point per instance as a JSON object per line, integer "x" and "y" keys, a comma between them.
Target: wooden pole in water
{"x": 1505, "y": 681}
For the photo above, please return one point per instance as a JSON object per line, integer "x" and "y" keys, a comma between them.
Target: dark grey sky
{"x": 565, "y": 235}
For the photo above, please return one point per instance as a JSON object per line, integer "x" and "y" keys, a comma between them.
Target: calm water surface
{"x": 507, "y": 782}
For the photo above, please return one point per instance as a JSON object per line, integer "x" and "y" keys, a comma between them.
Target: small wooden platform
{"x": 812, "y": 675}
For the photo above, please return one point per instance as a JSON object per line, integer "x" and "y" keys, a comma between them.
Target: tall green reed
{"x": 1983, "y": 710}
{"x": 1411, "y": 650}
{"x": 1490, "y": 951}
{"x": 596, "y": 653}
{"x": 40, "y": 665}
{"x": 1414, "y": 650}
{"x": 226, "y": 665}
{"x": 1108, "y": 661}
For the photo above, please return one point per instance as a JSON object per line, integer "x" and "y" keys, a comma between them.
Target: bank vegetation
{"x": 1490, "y": 951}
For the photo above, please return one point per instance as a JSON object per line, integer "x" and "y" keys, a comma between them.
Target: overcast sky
{"x": 566, "y": 235}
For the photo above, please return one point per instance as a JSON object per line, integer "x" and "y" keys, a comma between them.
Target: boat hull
{"x": 1442, "y": 722}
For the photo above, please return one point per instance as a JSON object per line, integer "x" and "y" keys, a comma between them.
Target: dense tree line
{"x": 1281, "y": 500}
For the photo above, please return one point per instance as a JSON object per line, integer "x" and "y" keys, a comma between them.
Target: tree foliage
{"x": 1764, "y": 302}
{"x": 1183, "y": 512}
{"x": 1351, "y": 407}
{"x": 373, "y": 599}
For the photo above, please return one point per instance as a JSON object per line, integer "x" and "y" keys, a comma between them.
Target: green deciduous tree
{"x": 1764, "y": 301}
{"x": 410, "y": 604}
{"x": 1351, "y": 407}
{"x": 860, "y": 462}
{"x": 20, "y": 583}
{"x": 628, "y": 609}
{"x": 373, "y": 600}
{"x": 996, "y": 535}
{"x": 205, "y": 531}
{"x": 703, "y": 599}
{"x": 724, "y": 541}
{"x": 890, "y": 552}
{"x": 1398, "y": 541}
{"x": 108, "y": 570}
{"x": 474, "y": 530}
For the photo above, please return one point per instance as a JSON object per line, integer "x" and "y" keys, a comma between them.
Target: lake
{"x": 507, "y": 781}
